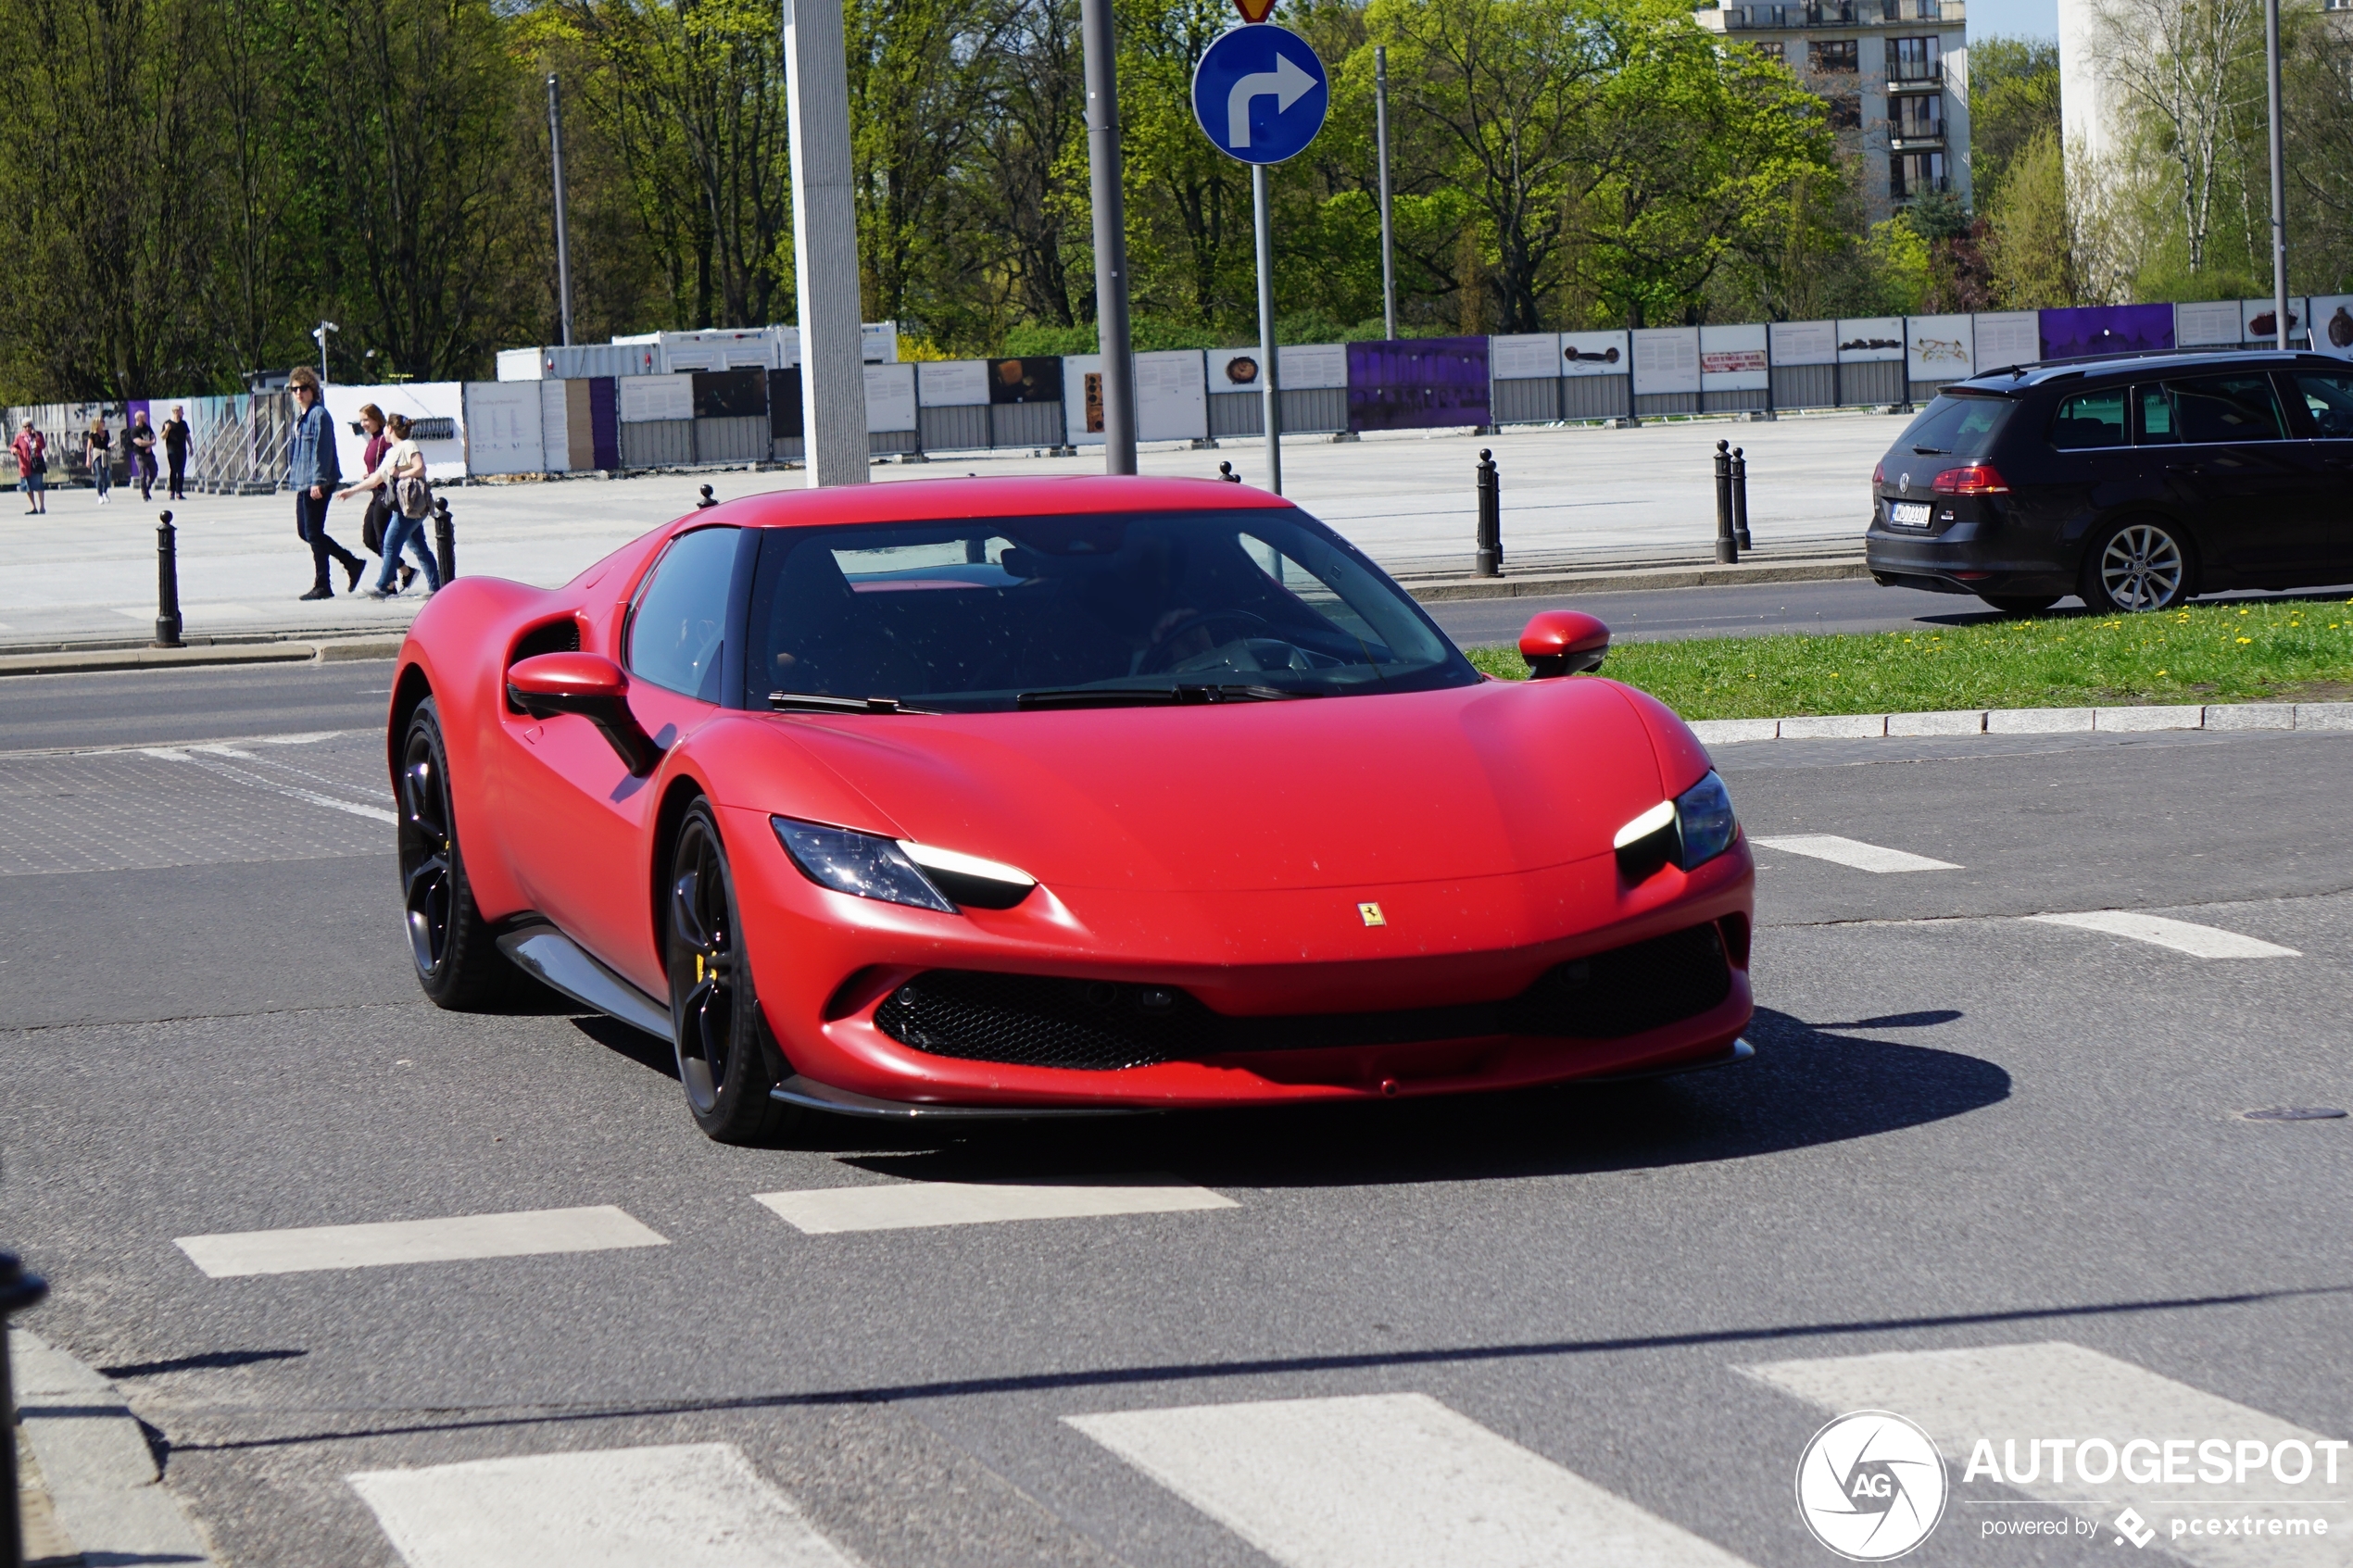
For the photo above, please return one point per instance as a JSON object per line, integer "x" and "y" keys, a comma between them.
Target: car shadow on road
{"x": 1807, "y": 1085}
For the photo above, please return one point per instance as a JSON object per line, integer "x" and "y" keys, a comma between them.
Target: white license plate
{"x": 1908, "y": 514}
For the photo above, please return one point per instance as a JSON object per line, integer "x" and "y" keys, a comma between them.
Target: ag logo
{"x": 1870, "y": 1486}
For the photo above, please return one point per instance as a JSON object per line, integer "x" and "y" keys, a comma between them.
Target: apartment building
{"x": 1894, "y": 74}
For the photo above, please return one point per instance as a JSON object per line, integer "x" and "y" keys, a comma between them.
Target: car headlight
{"x": 898, "y": 871}
{"x": 1689, "y": 830}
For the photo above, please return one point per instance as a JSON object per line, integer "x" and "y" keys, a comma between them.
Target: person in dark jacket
{"x": 139, "y": 446}
{"x": 313, "y": 471}
{"x": 175, "y": 449}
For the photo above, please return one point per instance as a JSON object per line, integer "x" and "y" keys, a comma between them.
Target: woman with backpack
{"x": 401, "y": 476}
{"x": 33, "y": 469}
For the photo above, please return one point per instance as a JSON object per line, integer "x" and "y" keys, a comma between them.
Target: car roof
{"x": 2044, "y": 372}
{"x": 944, "y": 500}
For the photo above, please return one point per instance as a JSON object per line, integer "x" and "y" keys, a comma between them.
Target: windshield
{"x": 984, "y": 614}
{"x": 1955, "y": 427}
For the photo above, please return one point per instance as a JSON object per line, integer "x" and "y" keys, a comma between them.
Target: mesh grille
{"x": 1035, "y": 1021}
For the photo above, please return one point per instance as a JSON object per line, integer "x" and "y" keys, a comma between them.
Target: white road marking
{"x": 519, "y": 1234}
{"x": 2198, "y": 941}
{"x": 1388, "y": 1481}
{"x": 208, "y": 754}
{"x": 908, "y": 1204}
{"x": 694, "y": 1505}
{"x": 1853, "y": 852}
{"x": 2016, "y": 1395}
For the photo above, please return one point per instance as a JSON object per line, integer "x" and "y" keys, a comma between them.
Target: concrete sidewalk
{"x": 92, "y": 1489}
{"x": 1573, "y": 498}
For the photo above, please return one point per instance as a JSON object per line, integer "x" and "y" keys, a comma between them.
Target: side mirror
{"x": 1563, "y": 642}
{"x": 592, "y": 686}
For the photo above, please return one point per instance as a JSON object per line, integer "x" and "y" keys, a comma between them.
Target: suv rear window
{"x": 1959, "y": 427}
{"x": 2090, "y": 418}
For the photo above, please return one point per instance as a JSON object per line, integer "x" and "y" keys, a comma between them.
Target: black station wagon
{"x": 2135, "y": 482}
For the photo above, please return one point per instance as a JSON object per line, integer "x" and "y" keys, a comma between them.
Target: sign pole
{"x": 1270, "y": 377}
{"x": 1109, "y": 200}
{"x": 2279, "y": 174}
{"x": 824, "y": 242}
{"x": 564, "y": 241}
{"x": 1388, "y": 247}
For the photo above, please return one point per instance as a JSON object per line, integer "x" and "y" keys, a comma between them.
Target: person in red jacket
{"x": 33, "y": 469}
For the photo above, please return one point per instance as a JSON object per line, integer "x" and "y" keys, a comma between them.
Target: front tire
{"x": 714, "y": 1010}
{"x": 2139, "y": 564}
{"x": 458, "y": 962}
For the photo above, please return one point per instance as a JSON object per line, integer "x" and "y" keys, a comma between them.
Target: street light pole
{"x": 2279, "y": 172}
{"x": 1109, "y": 200}
{"x": 1270, "y": 377}
{"x": 563, "y": 244}
{"x": 321, "y": 332}
{"x": 1388, "y": 248}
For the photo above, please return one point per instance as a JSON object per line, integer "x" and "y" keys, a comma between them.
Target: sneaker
{"x": 321, "y": 592}
{"x": 372, "y": 591}
{"x": 354, "y": 567}
{"x": 408, "y": 575}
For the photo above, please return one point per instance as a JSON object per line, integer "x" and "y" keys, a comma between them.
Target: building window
{"x": 1911, "y": 60}
{"x": 1915, "y": 117}
{"x": 1915, "y": 174}
{"x": 1834, "y": 56}
{"x": 1772, "y": 51}
{"x": 1846, "y": 111}
{"x": 1829, "y": 13}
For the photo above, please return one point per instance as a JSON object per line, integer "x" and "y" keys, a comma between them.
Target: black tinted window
{"x": 681, "y": 618}
{"x": 1959, "y": 427}
{"x": 969, "y": 616}
{"x": 2218, "y": 409}
{"x": 2091, "y": 419}
{"x": 2329, "y": 399}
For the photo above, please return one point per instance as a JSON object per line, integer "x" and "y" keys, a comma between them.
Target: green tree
{"x": 2013, "y": 94}
{"x": 2032, "y": 238}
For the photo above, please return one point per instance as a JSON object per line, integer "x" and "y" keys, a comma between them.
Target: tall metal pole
{"x": 1108, "y": 196}
{"x": 824, "y": 243}
{"x": 563, "y": 239}
{"x": 1270, "y": 377}
{"x": 2279, "y": 172}
{"x": 1388, "y": 247}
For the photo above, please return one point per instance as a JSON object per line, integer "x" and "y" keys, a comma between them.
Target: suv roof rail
{"x": 2301, "y": 356}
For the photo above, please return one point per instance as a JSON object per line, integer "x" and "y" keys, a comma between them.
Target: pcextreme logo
{"x": 1870, "y": 1486}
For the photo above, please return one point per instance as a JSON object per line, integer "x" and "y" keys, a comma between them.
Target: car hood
{"x": 1334, "y": 792}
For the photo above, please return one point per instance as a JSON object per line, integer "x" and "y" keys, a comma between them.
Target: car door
{"x": 2233, "y": 475}
{"x": 589, "y": 821}
{"x": 2327, "y": 444}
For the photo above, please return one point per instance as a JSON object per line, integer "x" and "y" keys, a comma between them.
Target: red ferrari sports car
{"x": 1026, "y": 797}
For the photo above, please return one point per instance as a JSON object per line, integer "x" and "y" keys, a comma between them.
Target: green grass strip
{"x": 2268, "y": 651}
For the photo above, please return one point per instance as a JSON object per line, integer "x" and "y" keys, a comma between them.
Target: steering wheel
{"x": 1163, "y": 651}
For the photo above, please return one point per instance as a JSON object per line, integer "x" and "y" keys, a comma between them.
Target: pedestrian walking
{"x": 400, "y": 477}
{"x": 175, "y": 450}
{"x": 33, "y": 469}
{"x": 372, "y": 534}
{"x": 141, "y": 441}
{"x": 97, "y": 450}
{"x": 313, "y": 471}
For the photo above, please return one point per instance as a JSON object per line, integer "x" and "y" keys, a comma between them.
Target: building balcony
{"x": 1932, "y": 83}
{"x": 1834, "y": 13}
{"x": 1899, "y": 143}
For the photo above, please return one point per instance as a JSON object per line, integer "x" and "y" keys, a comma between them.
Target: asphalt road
{"x": 1969, "y": 1142}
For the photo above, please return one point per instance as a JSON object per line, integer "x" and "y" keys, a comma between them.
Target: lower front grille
{"x": 1040, "y": 1020}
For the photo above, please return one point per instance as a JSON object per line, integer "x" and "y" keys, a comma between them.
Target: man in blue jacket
{"x": 313, "y": 471}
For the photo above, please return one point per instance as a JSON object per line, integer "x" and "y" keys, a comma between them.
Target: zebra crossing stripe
{"x": 909, "y": 1205}
{"x": 2182, "y": 935}
{"x": 1388, "y": 1481}
{"x": 517, "y": 1234}
{"x": 1853, "y": 852}
{"x": 692, "y": 1505}
{"x": 2038, "y": 1406}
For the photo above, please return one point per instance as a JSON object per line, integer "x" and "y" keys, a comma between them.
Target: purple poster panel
{"x": 2106, "y": 329}
{"x": 1418, "y": 383}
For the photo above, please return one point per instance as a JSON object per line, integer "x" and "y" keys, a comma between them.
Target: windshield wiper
{"x": 813, "y": 702}
{"x": 1154, "y": 697}
{"x": 1932, "y": 451}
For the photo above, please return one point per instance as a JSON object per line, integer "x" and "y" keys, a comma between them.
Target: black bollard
{"x": 707, "y": 500}
{"x": 1727, "y": 544}
{"x": 1225, "y": 472}
{"x": 19, "y": 1290}
{"x": 445, "y": 539}
{"x": 1740, "y": 500}
{"x": 166, "y": 585}
{"x": 1490, "y": 516}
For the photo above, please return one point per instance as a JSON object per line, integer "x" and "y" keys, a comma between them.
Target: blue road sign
{"x": 1261, "y": 93}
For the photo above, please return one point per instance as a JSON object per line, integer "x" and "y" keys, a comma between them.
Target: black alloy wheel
{"x": 714, "y": 1011}
{"x": 2139, "y": 564}
{"x": 458, "y": 962}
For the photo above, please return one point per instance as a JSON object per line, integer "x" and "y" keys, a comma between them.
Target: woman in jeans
{"x": 97, "y": 450}
{"x": 403, "y": 465}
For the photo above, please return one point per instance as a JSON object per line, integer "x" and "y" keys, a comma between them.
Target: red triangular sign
{"x": 1254, "y": 14}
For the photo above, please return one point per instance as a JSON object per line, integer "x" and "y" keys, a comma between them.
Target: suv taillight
{"x": 1977, "y": 478}
{"x": 1879, "y": 475}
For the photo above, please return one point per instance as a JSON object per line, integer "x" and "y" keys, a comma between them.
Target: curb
{"x": 105, "y": 1493}
{"x": 2336, "y": 716}
{"x": 70, "y": 661}
{"x": 1549, "y": 583}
